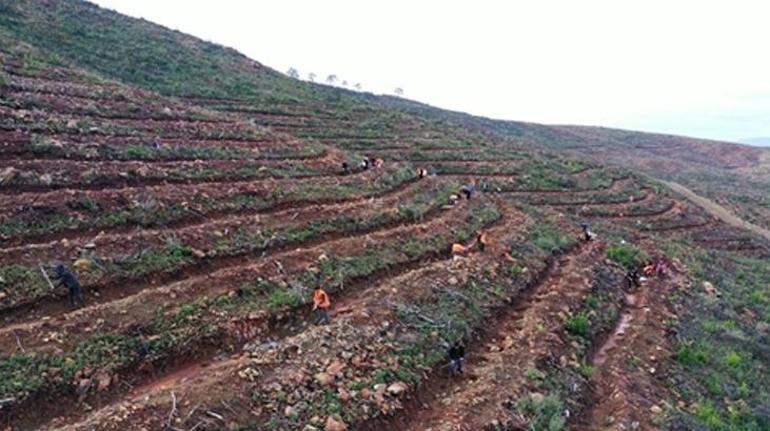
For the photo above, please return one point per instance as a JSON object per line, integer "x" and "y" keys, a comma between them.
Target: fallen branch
{"x": 172, "y": 413}
{"x": 215, "y": 415}
{"x": 18, "y": 341}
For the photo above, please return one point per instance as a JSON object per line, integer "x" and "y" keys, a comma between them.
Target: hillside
{"x": 199, "y": 197}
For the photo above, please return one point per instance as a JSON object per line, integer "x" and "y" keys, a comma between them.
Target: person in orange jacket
{"x": 483, "y": 241}
{"x": 321, "y": 304}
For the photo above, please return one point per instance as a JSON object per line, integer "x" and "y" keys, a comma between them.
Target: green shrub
{"x": 626, "y": 255}
{"x": 283, "y": 298}
{"x": 542, "y": 413}
{"x": 579, "y": 324}
{"x": 689, "y": 354}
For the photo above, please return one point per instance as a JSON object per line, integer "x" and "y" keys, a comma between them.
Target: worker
{"x": 588, "y": 234}
{"x": 469, "y": 190}
{"x": 378, "y": 163}
{"x": 459, "y": 249}
{"x": 82, "y": 264}
{"x": 68, "y": 280}
{"x": 633, "y": 279}
{"x": 649, "y": 269}
{"x": 345, "y": 168}
{"x": 422, "y": 173}
{"x": 365, "y": 164}
{"x": 321, "y": 306}
{"x": 456, "y": 355}
{"x": 661, "y": 268}
{"x": 483, "y": 241}
{"x": 453, "y": 199}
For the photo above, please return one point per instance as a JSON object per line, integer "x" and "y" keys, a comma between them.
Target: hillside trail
{"x": 496, "y": 366}
{"x": 631, "y": 363}
{"x": 300, "y": 213}
{"x": 715, "y": 209}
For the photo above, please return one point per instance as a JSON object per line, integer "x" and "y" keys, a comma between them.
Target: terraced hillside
{"x": 203, "y": 198}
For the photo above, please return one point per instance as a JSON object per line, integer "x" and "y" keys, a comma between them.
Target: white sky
{"x": 698, "y": 68}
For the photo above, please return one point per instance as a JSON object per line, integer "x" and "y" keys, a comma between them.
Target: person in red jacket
{"x": 321, "y": 304}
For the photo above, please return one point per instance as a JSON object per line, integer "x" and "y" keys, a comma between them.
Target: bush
{"x": 626, "y": 255}
{"x": 542, "y": 413}
{"x": 688, "y": 354}
{"x": 579, "y": 324}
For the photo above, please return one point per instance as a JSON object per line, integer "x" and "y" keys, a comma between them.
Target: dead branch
{"x": 215, "y": 415}
{"x": 228, "y": 407}
{"x": 172, "y": 413}
{"x": 189, "y": 415}
{"x": 18, "y": 341}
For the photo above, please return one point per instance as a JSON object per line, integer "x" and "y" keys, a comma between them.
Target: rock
{"x": 365, "y": 393}
{"x": 290, "y": 411}
{"x": 335, "y": 367}
{"x": 508, "y": 342}
{"x": 656, "y": 410}
{"x": 324, "y": 378}
{"x": 143, "y": 171}
{"x": 710, "y": 289}
{"x": 103, "y": 381}
{"x": 333, "y": 424}
{"x": 397, "y": 388}
{"x": 344, "y": 395}
{"x": 309, "y": 428}
{"x": 197, "y": 253}
{"x": 46, "y": 179}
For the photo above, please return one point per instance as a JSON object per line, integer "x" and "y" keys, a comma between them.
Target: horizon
{"x": 623, "y": 72}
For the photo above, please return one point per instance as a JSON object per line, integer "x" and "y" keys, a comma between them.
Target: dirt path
{"x": 631, "y": 363}
{"x": 716, "y": 210}
{"x": 496, "y": 366}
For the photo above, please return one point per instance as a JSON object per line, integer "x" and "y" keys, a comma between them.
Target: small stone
{"x": 333, "y": 424}
{"x": 335, "y": 368}
{"x": 344, "y": 395}
{"x": 397, "y": 388}
{"x": 656, "y": 410}
{"x": 290, "y": 412}
{"x": 324, "y": 378}
{"x": 46, "y": 179}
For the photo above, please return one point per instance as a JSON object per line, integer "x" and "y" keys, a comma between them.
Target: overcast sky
{"x": 698, "y": 68}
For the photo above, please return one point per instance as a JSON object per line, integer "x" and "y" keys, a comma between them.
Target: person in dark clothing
{"x": 469, "y": 190}
{"x": 633, "y": 278}
{"x": 456, "y": 358}
{"x": 67, "y": 279}
{"x": 345, "y": 168}
{"x": 588, "y": 234}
